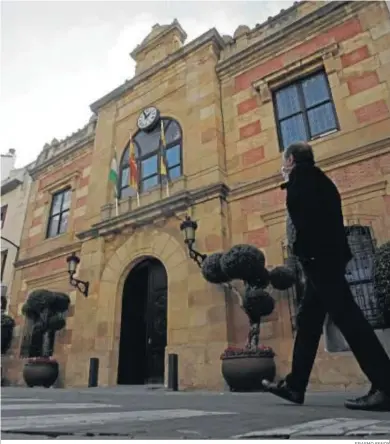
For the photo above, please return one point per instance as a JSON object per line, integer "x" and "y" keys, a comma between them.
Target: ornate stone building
{"x": 229, "y": 105}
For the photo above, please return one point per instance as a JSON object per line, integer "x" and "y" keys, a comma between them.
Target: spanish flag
{"x": 133, "y": 168}
{"x": 163, "y": 164}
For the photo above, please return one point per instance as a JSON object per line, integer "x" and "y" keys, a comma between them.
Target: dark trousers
{"x": 327, "y": 291}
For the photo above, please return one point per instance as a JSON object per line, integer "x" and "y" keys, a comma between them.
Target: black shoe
{"x": 375, "y": 401}
{"x": 282, "y": 390}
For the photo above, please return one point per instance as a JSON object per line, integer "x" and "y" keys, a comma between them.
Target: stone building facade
{"x": 318, "y": 71}
{"x": 15, "y": 190}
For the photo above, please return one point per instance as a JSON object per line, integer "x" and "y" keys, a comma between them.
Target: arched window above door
{"x": 148, "y": 151}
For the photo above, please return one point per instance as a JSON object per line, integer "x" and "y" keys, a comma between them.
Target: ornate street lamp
{"x": 73, "y": 262}
{"x": 189, "y": 227}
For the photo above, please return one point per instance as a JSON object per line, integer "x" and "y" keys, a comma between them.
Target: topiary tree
{"x": 247, "y": 263}
{"x": 46, "y": 309}
{"x": 7, "y": 330}
{"x": 382, "y": 279}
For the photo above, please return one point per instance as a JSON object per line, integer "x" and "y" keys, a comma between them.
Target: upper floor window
{"x": 3, "y": 214}
{"x": 305, "y": 110}
{"x": 148, "y": 152}
{"x": 59, "y": 213}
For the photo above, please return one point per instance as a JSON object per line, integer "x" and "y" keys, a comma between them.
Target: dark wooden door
{"x": 156, "y": 325}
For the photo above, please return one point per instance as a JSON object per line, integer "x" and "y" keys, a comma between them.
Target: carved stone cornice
{"x": 290, "y": 71}
{"x": 320, "y": 20}
{"x": 354, "y": 155}
{"x": 357, "y": 193}
{"x": 48, "y": 255}
{"x": 155, "y": 212}
{"x": 37, "y": 170}
{"x": 328, "y": 163}
{"x": 46, "y": 280}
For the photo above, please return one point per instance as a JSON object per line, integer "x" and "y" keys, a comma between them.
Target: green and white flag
{"x": 113, "y": 175}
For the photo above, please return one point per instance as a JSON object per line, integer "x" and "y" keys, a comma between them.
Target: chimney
{"x": 7, "y": 163}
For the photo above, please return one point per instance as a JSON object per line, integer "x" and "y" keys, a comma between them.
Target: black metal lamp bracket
{"x": 196, "y": 256}
{"x": 82, "y": 286}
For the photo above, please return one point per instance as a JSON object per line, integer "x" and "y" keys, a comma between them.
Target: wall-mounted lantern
{"x": 189, "y": 227}
{"x": 73, "y": 262}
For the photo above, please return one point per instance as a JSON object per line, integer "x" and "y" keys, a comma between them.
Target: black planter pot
{"x": 40, "y": 374}
{"x": 245, "y": 373}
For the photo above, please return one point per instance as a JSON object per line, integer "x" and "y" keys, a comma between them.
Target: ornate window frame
{"x": 140, "y": 158}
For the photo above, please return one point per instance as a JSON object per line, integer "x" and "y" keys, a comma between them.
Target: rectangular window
{"x": 149, "y": 172}
{"x": 305, "y": 110}
{"x": 59, "y": 213}
{"x": 4, "y": 254}
{"x": 174, "y": 161}
{"x": 3, "y": 214}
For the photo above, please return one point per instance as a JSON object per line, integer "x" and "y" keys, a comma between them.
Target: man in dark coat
{"x": 317, "y": 236}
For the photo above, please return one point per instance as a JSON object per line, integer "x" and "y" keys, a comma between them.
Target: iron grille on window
{"x": 359, "y": 274}
{"x": 295, "y": 293}
{"x": 305, "y": 110}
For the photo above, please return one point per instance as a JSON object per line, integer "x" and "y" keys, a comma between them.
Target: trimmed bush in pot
{"x": 46, "y": 309}
{"x": 7, "y": 331}
{"x": 245, "y": 368}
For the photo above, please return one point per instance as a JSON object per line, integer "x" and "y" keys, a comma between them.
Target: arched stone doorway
{"x": 143, "y": 335}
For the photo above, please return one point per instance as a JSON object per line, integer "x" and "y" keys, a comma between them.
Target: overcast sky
{"x": 57, "y": 57}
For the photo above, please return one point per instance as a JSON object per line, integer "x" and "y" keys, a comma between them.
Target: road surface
{"x": 141, "y": 413}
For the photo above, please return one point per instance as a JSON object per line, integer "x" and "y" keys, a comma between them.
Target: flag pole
{"x": 167, "y": 187}
{"x": 116, "y": 185}
{"x": 116, "y": 206}
{"x": 163, "y": 161}
{"x": 138, "y": 203}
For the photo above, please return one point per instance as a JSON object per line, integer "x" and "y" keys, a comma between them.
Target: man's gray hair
{"x": 302, "y": 152}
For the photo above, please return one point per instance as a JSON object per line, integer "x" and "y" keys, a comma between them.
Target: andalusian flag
{"x": 113, "y": 177}
{"x": 133, "y": 169}
{"x": 163, "y": 164}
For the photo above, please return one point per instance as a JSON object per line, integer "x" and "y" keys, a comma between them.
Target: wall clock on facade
{"x": 148, "y": 119}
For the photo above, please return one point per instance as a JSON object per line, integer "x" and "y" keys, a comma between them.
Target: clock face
{"x": 148, "y": 118}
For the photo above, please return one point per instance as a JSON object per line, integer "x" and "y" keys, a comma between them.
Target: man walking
{"x": 316, "y": 232}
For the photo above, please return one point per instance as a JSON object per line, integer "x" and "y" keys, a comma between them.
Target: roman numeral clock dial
{"x": 148, "y": 118}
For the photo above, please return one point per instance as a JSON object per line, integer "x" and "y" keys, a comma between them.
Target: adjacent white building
{"x": 15, "y": 189}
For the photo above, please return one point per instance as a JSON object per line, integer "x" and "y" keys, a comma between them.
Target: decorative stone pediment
{"x": 162, "y": 41}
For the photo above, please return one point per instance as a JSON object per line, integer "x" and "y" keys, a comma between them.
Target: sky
{"x": 58, "y": 57}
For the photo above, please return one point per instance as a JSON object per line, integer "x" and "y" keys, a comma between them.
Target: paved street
{"x": 140, "y": 413}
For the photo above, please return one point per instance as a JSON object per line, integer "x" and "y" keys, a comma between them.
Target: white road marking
{"x": 381, "y": 428}
{"x": 9, "y": 400}
{"x": 324, "y": 427}
{"x": 53, "y": 421}
{"x": 59, "y": 406}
